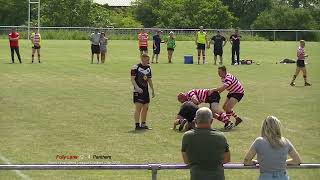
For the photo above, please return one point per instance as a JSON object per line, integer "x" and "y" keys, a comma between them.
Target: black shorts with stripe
{"x": 237, "y": 96}
{"x": 142, "y": 98}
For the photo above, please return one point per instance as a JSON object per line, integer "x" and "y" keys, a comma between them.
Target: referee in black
{"x": 235, "y": 43}
{"x": 218, "y": 42}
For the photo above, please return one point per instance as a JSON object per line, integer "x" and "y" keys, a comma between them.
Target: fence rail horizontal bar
{"x": 132, "y": 166}
{"x": 172, "y": 29}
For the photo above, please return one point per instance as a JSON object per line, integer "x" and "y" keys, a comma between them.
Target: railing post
{"x": 154, "y": 170}
{"x": 274, "y": 35}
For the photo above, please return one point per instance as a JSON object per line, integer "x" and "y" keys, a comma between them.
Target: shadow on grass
{"x": 138, "y": 131}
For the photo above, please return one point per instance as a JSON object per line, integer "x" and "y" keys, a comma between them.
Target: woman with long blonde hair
{"x": 272, "y": 150}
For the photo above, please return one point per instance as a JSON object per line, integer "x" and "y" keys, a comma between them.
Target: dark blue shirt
{"x": 157, "y": 41}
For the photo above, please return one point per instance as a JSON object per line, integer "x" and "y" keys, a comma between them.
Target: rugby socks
{"x": 294, "y": 78}
{"x": 222, "y": 117}
{"x": 231, "y": 113}
{"x": 305, "y": 79}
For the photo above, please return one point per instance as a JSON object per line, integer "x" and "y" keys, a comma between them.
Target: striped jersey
{"x": 232, "y": 83}
{"x": 143, "y": 39}
{"x": 36, "y": 38}
{"x": 300, "y": 53}
{"x": 199, "y": 94}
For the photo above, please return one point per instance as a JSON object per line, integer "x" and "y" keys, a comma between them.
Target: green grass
{"x": 66, "y": 106}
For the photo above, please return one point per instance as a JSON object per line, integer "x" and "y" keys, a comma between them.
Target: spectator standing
{"x": 218, "y": 42}
{"x": 235, "y": 43}
{"x": 103, "y": 46}
{"x": 201, "y": 41}
{"x": 171, "y": 45}
{"x": 205, "y": 149}
{"x": 95, "y": 45}
{"x": 14, "y": 44}
{"x": 156, "y": 45}
{"x": 272, "y": 150}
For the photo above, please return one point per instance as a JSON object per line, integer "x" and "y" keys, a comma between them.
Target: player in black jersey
{"x": 141, "y": 78}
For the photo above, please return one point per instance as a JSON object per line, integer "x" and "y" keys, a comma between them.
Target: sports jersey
{"x": 200, "y": 95}
{"x": 232, "y": 84}
{"x": 142, "y": 74}
{"x": 143, "y": 39}
{"x": 36, "y": 38}
{"x": 300, "y": 53}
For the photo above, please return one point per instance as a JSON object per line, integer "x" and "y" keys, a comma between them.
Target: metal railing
{"x": 153, "y": 167}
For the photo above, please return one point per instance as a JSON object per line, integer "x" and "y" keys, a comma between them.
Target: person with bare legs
{"x": 103, "y": 46}
{"x": 198, "y": 96}
{"x": 236, "y": 92}
{"x": 171, "y": 44}
{"x": 143, "y": 38}
{"x": 201, "y": 41}
{"x": 95, "y": 45}
{"x": 301, "y": 64}
{"x": 218, "y": 42}
{"x": 36, "y": 41}
{"x": 141, "y": 79}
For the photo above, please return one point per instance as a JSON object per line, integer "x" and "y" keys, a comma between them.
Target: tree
{"x": 13, "y": 12}
{"x": 247, "y": 10}
{"x": 183, "y": 13}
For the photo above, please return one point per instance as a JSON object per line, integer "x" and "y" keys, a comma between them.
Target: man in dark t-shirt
{"x": 156, "y": 45}
{"x": 204, "y": 149}
{"x": 140, "y": 79}
{"x": 185, "y": 115}
{"x": 235, "y": 42}
{"x": 218, "y": 42}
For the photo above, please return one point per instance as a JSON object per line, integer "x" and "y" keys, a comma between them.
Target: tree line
{"x": 245, "y": 14}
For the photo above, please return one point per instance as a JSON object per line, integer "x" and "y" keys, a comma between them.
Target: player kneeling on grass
{"x": 141, "y": 78}
{"x": 301, "y": 64}
{"x": 186, "y": 115}
{"x": 198, "y": 96}
{"x": 36, "y": 40}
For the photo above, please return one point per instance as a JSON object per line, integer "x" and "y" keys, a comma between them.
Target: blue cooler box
{"x": 188, "y": 59}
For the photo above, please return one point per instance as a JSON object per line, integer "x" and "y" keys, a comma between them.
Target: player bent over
{"x": 198, "y": 96}
{"x": 236, "y": 92}
{"x": 186, "y": 114}
{"x": 141, "y": 79}
{"x": 301, "y": 64}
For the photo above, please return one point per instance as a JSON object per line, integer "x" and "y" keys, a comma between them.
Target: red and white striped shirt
{"x": 232, "y": 84}
{"x": 300, "y": 53}
{"x": 200, "y": 95}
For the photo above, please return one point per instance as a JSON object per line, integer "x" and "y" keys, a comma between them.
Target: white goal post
{"x": 29, "y": 15}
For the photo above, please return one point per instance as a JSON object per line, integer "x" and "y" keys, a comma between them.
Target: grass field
{"x": 66, "y": 106}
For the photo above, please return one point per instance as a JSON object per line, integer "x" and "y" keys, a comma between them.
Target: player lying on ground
{"x": 198, "y": 96}
{"x": 236, "y": 92}
{"x": 186, "y": 115}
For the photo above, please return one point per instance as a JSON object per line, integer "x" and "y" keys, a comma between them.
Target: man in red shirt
{"x": 14, "y": 44}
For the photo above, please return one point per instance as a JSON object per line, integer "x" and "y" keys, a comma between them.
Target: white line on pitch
{"x": 19, "y": 173}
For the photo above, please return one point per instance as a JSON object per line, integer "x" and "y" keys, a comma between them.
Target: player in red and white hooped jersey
{"x": 143, "y": 38}
{"x": 301, "y": 55}
{"x": 198, "y": 96}
{"x": 236, "y": 92}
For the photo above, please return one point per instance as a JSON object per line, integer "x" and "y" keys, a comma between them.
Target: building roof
{"x": 117, "y": 3}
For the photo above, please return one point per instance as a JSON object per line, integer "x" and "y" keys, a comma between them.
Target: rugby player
{"x": 186, "y": 114}
{"x": 143, "y": 42}
{"x": 36, "y": 41}
{"x": 236, "y": 93}
{"x": 301, "y": 64}
{"x": 198, "y": 96}
{"x": 141, "y": 78}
